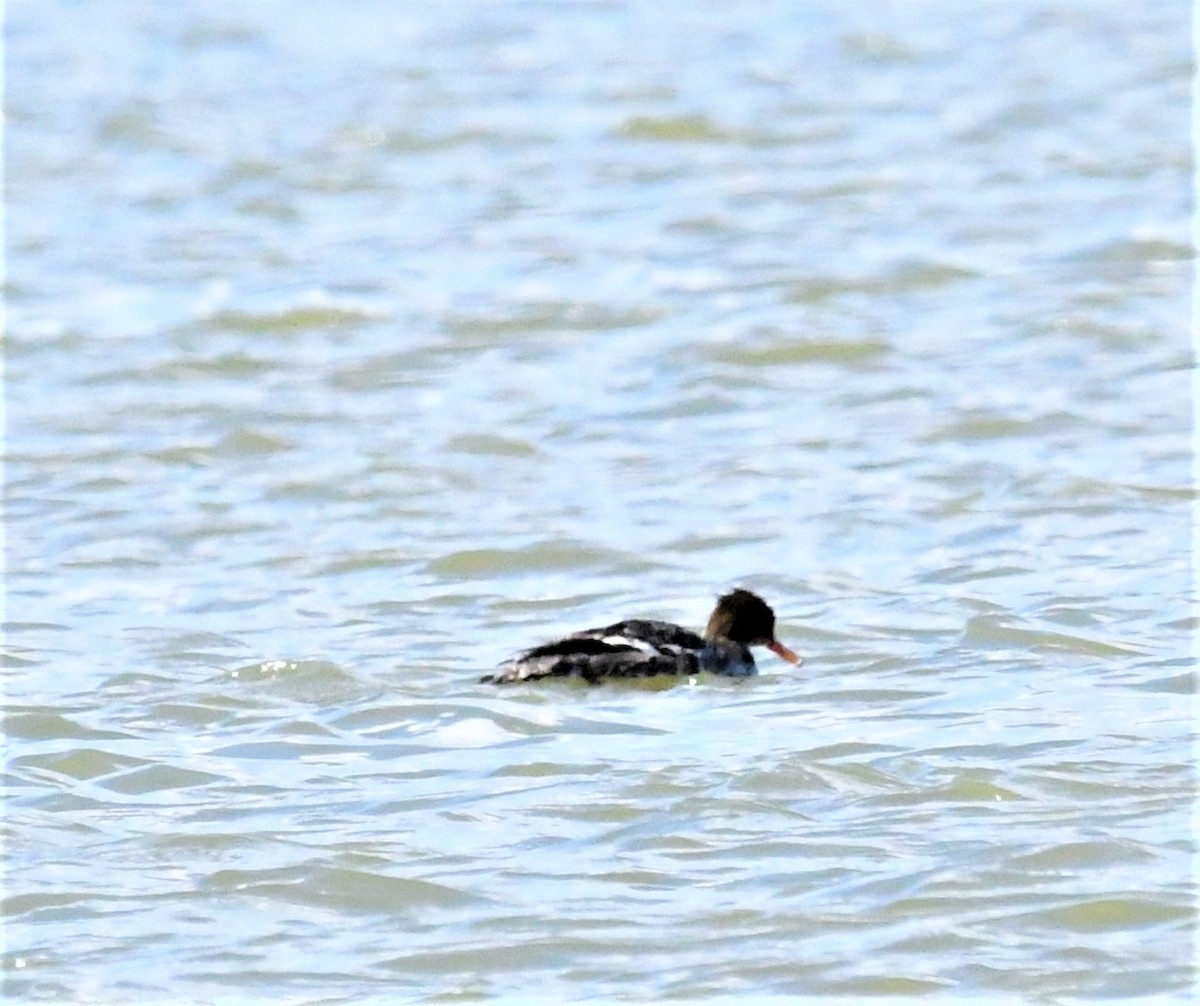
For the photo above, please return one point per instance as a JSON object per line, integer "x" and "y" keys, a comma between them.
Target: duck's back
{"x": 633, "y": 648}
{"x": 646, "y": 632}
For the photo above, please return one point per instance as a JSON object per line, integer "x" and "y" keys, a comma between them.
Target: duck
{"x": 639, "y": 647}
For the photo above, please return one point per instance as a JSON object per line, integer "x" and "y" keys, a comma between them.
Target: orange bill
{"x": 781, "y": 651}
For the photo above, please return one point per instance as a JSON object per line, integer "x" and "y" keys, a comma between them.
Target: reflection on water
{"x": 350, "y": 350}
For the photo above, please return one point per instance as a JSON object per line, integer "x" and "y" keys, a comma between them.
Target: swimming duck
{"x": 642, "y": 648}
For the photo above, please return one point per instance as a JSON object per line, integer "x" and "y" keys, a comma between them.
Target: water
{"x": 351, "y": 347}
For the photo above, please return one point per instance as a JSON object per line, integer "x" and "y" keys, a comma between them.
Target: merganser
{"x": 641, "y": 648}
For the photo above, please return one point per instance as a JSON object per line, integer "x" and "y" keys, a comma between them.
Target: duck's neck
{"x": 724, "y": 656}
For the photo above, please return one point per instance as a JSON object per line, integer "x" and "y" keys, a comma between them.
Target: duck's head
{"x": 743, "y": 617}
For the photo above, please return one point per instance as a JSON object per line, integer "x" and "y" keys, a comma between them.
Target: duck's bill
{"x": 781, "y": 651}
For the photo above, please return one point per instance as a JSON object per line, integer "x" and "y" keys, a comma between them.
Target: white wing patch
{"x": 632, "y": 641}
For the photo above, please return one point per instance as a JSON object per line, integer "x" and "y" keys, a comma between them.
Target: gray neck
{"x": 722, "y": 656}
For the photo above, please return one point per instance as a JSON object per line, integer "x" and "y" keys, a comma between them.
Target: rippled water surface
{"x": 352, "y": 346}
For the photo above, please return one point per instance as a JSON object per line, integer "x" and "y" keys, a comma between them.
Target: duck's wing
{"x": 644, "y": 632}
{"x": 635, "y": 648}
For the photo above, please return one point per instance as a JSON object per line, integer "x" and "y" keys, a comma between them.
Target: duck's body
{"x": 642, "y": 648}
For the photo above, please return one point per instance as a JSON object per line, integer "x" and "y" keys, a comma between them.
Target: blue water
{"x": 352, "y": 347}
